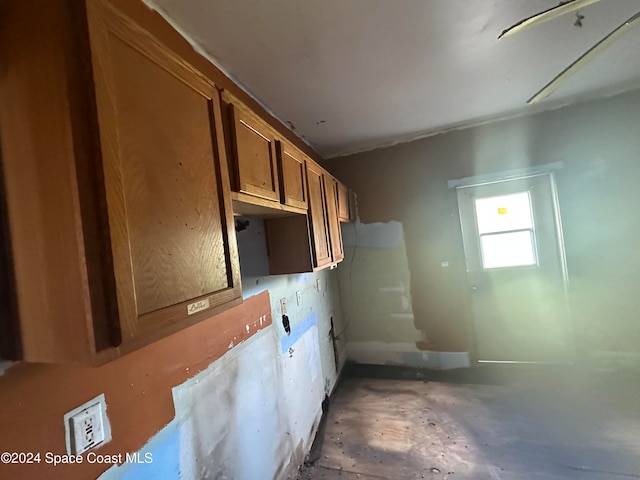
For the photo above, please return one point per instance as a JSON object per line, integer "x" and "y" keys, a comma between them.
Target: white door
{"x": 516, "y": 270}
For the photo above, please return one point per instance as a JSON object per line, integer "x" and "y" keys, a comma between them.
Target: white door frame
{"x": 516, "y": 174}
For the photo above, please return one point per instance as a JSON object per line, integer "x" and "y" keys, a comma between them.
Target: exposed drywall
{"x": 318, "y": 306}
{"x": 254, "y": 413}
{"x": 249, "y": 415}
{"x": 597, "y": 142}
{"x": 375, "y": 284}
{"x": 375, "y": 288}
{"x": 137, "y": 389}
{"x": 198, "y": 409}
{"x": 4, "y": 365}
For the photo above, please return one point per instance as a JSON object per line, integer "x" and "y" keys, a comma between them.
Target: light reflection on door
{"x": 516, "y": 270}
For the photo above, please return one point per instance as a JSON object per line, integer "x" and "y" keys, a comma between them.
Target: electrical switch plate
{"x": 298, "y": 297}
{"x": 87, "y": 426}
{"x": 283, "y": 306}
{"x": 319, "y": 284}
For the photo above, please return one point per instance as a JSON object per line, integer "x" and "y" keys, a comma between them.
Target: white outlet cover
{"x": 283, "y": 306}
{"x": 87, "y": 429}
{"x": 87, "y": 426}
{"x": 298, "y": 297}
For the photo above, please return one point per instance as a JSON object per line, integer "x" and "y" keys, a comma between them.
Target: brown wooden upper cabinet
{"x": 267, "y": 171}
{"x": 298, "y": 244}
{"x": 335, "y": 233}
{"x": 344, "y": 210}
{"x": 130, "y": 232}
{"x": 251, "y": 145}
{"x": 293, "y": 175}
{"x": 318, "y": 213}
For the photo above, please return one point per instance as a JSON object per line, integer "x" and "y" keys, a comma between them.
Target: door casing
{"x": 501, "y": 178}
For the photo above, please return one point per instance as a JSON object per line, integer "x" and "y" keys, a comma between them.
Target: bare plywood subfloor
{"x": 519, "y": 429}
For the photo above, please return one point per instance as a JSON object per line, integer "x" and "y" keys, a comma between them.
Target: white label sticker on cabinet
{"x": 197, "y": 306}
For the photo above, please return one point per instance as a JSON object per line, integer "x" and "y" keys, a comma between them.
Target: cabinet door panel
{"x": 343, "y": 203}
{"x": 169, "y": 184}
{"x": 292, "y": 176}
{"x": 335, "y": 233}
{"x": 255, "y": 155}
{"x": 169, "y": 207}
{"x": 318, "y": 213}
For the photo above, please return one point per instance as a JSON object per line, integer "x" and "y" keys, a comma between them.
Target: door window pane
{"x": 504, "y": 213}
{"x": 512, "y": 249}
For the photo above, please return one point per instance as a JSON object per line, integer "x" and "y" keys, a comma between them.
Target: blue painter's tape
{"x": 297, "y": 331}
{"x": 157, "y": 460}
{"x": 165, "y": 464}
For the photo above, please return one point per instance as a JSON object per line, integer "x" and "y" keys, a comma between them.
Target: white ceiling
{"x": 351, "y": 75}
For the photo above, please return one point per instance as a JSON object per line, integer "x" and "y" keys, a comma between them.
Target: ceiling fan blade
{"x": 550, "y": 14}
{"x": 585, "y": 58}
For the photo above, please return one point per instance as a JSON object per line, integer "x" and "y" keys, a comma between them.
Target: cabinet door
{"x": 254, "y": 155}
{"x": 292, "y": 175}
{"x": 335, "y": 233}
{"x": 318, "y": 214}
{"x": 343, "y": 203}
{"x": 168, "y": 199}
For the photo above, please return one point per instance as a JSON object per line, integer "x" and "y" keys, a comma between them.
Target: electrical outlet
{"x": 87, "y": 426}
{"x": 299, "y": 297}
{"x": 87, "y": 429}
{"x": 283, "y": 306}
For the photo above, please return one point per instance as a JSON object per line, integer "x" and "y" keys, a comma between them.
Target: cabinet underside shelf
{"x": 249, "y": 205}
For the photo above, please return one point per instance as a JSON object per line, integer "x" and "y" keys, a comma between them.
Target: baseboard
{"x": 406, "y": 355}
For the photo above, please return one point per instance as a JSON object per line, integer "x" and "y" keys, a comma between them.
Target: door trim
{"x": 505, "y": 175}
